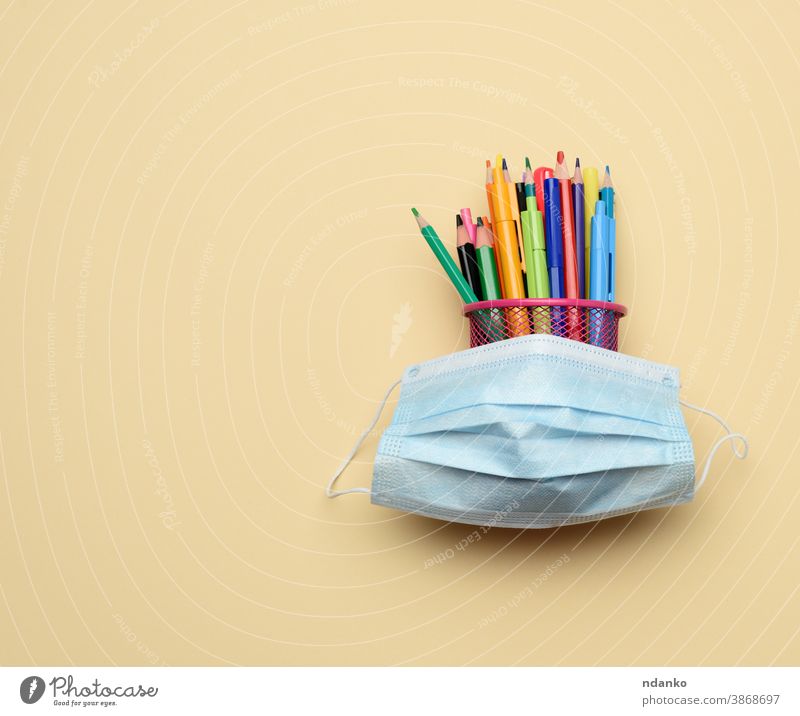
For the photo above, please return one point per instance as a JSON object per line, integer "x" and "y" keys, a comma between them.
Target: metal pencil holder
{"x": 594, "y": 322}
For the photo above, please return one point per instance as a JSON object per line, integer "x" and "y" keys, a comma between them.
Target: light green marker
{"x": 453, "y": 272}
{"x": 535, "y": 259}
{"x": 534, "y": 246}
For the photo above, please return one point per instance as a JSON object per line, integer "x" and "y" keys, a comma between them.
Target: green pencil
{"x": 484, "y": 254}
{"x": 491, "y": 321}
{"x": 466, "y": 293}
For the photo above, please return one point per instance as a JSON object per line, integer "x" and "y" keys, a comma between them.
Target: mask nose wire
{"x": 741, "y": 454}
{"x": 329, "y": 491}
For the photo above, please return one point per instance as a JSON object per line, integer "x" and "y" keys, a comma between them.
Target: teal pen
{"x": 598, "y": 273}
{"x": 607, "y": 193}
{"x": 600, "y": 254}
{"x": 612, "y": 258}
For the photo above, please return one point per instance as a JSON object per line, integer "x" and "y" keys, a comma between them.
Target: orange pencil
{"x": 490, "y": 189}
{"x": 491, "y": 198}
{"x": 505, "y": 241}
{"x": 505, "y": 233}
{"x": 512, "y": 194}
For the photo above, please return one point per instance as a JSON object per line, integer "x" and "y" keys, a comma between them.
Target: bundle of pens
{"x": 544, "y": 262}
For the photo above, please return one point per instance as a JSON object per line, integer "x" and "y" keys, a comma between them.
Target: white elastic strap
{"x": 329, "y": 491}
{"x": 741, "y": 455}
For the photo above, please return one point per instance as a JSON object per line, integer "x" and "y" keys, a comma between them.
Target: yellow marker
{"x": 591, "y": 192}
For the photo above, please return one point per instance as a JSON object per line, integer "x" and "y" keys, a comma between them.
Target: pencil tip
{"x": 560, "y": 157}
{"x": 577, "y": 162}
{"x": 488, "y": 163}
{"x": 459, "y": 220}
{"x": 505, "y": 164}
{"x": 527, "y": 163}
{"x": 480, "y": 221}
{"x": 608, "y": 171}
{"x": 414, "y": 211}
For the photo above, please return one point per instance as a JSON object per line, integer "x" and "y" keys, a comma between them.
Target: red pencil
{"x": 571, "y": 286}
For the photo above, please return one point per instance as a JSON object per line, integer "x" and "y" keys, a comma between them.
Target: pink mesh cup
{"x": 594, "y": 322}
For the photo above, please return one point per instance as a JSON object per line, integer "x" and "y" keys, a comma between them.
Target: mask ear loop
{"x": 329, "y": 491}
{"x": 740, "y": 454}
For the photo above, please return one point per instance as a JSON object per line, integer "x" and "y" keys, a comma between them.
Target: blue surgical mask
{"x": 537, "y": 431}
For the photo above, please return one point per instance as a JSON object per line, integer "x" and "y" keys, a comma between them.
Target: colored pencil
{"x": 507, "y": 247}
{"x": 491, "y": 198}
{"x": 505, "y": 237}
{"x": 538, "y": 244}
{"x": 567, "y": 229}
{"x": 489, "y": 183}
{"x": 571, "y": 289}
{"x": 578, "y": 211}
{"x": 444, "y": 258}
{"x": 519, "y": 191}
{"x": 490, "y": 282}
{"x": 466, "y": 217}
{"x": 465, "y": 247}
{"x": 607, "y": 193}
{"x": 487, "y": 266}
{"x": 512, "y": 189}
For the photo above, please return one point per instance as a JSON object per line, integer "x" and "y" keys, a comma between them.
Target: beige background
{"x": 209, "y": 274}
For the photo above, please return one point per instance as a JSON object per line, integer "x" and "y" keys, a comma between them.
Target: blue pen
{"x": 612, "y": 257}
{"x": 598, "y": 273}
{"x": 554, "y": 246}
